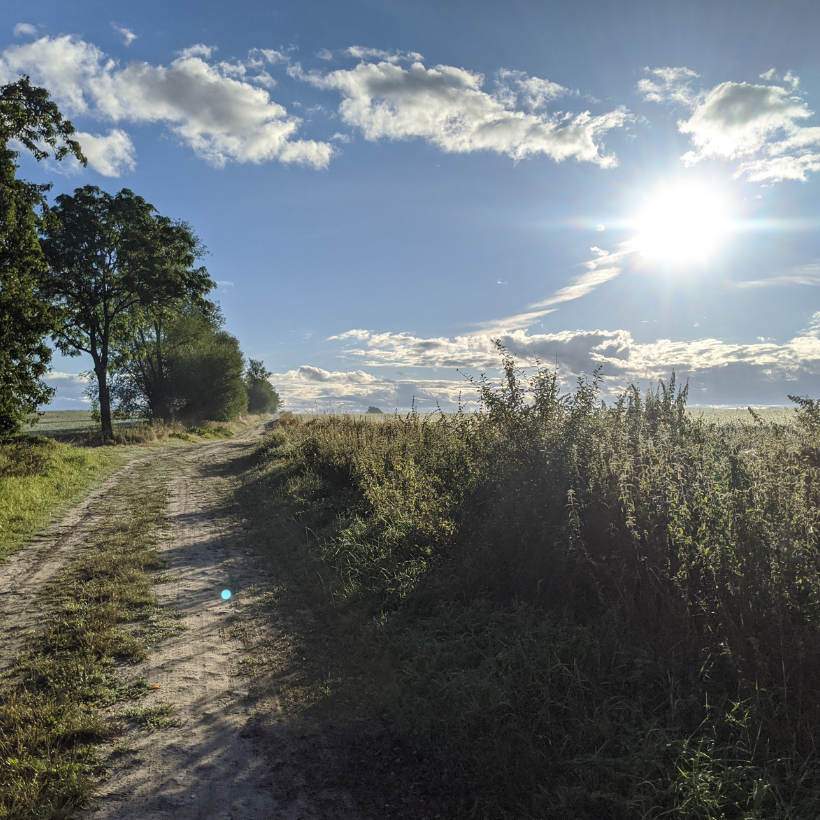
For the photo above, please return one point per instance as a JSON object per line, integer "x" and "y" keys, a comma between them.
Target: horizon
{"x": 385, "y": 188}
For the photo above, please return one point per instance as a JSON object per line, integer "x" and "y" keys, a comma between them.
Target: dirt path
{"x": 203, "y": 768}
{"x": 207, "y": 766}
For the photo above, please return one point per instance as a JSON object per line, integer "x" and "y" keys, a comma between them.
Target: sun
{"x": 682, "y": 224}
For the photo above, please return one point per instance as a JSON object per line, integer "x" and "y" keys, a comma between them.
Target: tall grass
{"x": 598, "y": 611}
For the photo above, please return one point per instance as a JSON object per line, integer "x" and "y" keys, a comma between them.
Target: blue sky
{"x": 385, "y": 187}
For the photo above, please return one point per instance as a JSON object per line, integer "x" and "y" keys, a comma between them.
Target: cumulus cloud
{"x": 448, "y": 107}
{"x": 128, "y": 36}
{"x": 111, "y": 155}
{"x": 311, "y": 389}
{"x": 759, "y": 126}
{"x": 25, "y": 30}
{"x": 212, "y": 107}
{"x": 719, "y": 372}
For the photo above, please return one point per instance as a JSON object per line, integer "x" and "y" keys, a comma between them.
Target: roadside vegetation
{"x": 98, "y": 613}
{"x": 584, "y": 611}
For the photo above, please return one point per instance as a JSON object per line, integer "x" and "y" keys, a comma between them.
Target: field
{"x": 586, "y": 611}
{"x": 69, "y": 424}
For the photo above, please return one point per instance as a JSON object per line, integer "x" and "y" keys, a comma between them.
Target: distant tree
{"x": 262, "y": 398}
{"x": 372, "y": 409}
{"x": 205, "y": 371}
{"x": 29, "y": 117}
{"x": 187, "y": 368}
{"x": 114, "y": 262}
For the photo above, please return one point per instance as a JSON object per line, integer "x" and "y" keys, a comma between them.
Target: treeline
{"x": 107, "y": 276}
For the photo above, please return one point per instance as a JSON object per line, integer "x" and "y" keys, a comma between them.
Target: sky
{"x": 385, "y": 187}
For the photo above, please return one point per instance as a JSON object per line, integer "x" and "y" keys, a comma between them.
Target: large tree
{"x": 30, "y": 118}
{"x": 113, "y": 261}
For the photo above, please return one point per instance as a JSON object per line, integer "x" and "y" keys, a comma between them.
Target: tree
{"x": 262, "y": 398}
{"x": 186, "y": 369}
{"x": 29, "y": 117}
{"x": 373, "y": 409}
{"x": 113, "y": 260}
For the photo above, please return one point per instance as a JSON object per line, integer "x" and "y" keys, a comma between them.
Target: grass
{"x": 584, "y": 611}
{"x": 40, "y": 478}
{"x": 98, "y": 614}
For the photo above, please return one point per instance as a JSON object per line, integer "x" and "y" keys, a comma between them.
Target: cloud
{"x": 804, "y": 275}
{"x": 211, "y": 107}
{"x": 668, "y": 84}
{"x": 761, "y": 372}
{"x": 111, "y": 155}
{"x": 25, "y": 30}
{"x": 316, "y": 374}
{"x": 350, "y": 393}
{"x": 447, "y": 107}
{"x": 127, "y": 35}
{"x": 759, "y": 126}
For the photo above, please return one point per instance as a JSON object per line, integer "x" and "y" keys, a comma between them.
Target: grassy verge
{"x": 100, "y": 612}
{"x": 41, "y": 478}
{"x": 584, "y": 611}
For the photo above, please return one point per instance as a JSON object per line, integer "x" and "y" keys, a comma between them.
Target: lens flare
{"x": 226, "y": 594}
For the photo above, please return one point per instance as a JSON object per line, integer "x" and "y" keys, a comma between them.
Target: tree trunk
{"x": 105, "y": 404}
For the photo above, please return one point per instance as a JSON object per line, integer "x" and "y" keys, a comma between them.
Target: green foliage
{"x": 373, "y": 409}
{"x": 598, "y": 611}
{"x": 204, "y": 372}
{"x": 115, "y": 263}
{"x": 262, "y": 398}
{"x": 29, "y": 117}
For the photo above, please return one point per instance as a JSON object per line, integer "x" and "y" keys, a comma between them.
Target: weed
{"x": 593, "y": 611}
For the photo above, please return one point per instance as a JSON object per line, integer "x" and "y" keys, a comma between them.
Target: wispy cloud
{"x": 803, "y": 275}
{"x": 25, "y": 30}
{"x": 215, "y": 108}
{"x": 128, "y": 36}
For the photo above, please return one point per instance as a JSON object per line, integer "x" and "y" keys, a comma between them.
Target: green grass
{"x": 41, "y": 478}
{"x": 589, "y": 611}
{"x": 98, "y": 614}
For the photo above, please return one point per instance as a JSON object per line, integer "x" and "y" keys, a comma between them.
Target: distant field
{"x": 732, "y": 415}
{"x": 66, "y": 423}
{"x": 741, "y": 415}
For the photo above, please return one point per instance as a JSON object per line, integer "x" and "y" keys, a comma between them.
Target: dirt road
{"x": 206, "y": 766}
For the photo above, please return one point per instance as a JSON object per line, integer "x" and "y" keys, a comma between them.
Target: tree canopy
{"x": 114, "y": 264}
{"x": 28, "y": 116}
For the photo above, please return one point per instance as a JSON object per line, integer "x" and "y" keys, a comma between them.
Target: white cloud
{"x": 721, "y": 373}
{"x": 25, "y": 30}
{"x": 210, "y": 107}
{"x": 759, "y": 126}
{"x": 111, "y": 155}
{"x": 447, "y": 107}
{"x": 804, "y": 275}
{"x": 346, "y": 392}
{"x": 127, "y": 35}
{"x": 325, "y": 54}
{"x": 668, "y": 84}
